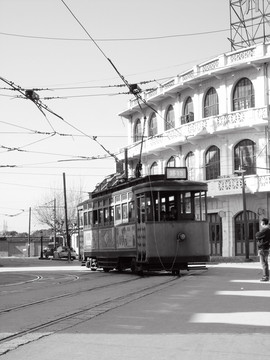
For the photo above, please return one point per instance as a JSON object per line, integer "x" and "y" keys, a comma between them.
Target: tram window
{"x": 156, "y": 207}
{"x": 124, "y": 197}
{"x": 168, "y": 208}
{"x": 149, "y": 210}
{"x": 100, "y": 216}
{"x": 111, "y": 214}
{"x": 106, "y": 216}
{"x": 200, "y": 206}
{"x": 117, "y": 212}
{"x": 187, "y": 205}
{"x": 89, "y": 216}
{"x": 95, "y": 217}
{"x": 117, "y": 198}
{"x": 124, "y": 211}
{"x": 131, "y": 211}
{"x": 141, "y": 209}
{"x": 85, "y": 219}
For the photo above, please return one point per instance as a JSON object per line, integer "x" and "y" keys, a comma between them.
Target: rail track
{"x": 9, "y": 342}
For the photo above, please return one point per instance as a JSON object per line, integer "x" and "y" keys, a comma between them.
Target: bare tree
{"x": 51, "y": 211}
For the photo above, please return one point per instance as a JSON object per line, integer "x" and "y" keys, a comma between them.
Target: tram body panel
{"x": 162, "y": 239}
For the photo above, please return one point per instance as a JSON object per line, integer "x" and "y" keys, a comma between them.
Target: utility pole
{"x": 66, "y": 218}
{"x": 246, "y": 238}
{"x": 54, "y": 222}
{"x": 29, "y": 230}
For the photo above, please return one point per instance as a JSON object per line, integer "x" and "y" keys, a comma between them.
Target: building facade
{"x": 213, "y": 119}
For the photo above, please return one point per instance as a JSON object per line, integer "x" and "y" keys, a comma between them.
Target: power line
{"x": 117, "y": 39}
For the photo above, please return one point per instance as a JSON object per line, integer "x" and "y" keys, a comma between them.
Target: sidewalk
{"x": 8, "y": 262}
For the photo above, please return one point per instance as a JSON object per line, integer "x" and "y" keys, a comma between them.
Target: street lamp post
{"x": 246, "y": 239}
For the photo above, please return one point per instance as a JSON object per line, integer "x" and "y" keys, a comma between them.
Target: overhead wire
{"x": 117, "y": 39}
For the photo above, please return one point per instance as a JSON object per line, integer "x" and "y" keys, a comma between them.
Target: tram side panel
{"x": 109, "y": 245}
{"x": 160, "y": 243}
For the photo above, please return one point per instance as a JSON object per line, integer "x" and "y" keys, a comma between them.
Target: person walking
{"x": 263, "y": 243}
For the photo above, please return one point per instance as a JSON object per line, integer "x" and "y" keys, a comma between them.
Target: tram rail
{"x": 10, "y": 342}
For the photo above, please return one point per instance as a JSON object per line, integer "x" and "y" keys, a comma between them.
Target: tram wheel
{"x": 106, "y": 269}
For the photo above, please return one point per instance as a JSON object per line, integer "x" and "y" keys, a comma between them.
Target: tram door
{"x": 215, "y": 232}
{"x": 141, "y": 229}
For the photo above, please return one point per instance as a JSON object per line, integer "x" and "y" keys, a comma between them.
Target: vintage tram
{"x": 156, "y": 222}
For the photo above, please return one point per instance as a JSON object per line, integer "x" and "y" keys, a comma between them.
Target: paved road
{"x": 221, "y": 313}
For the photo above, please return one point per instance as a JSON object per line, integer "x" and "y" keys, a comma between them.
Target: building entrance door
{"x": 215, "y": 233}
{"x": 252, "y": 227}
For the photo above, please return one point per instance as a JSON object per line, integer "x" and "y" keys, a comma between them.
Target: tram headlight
{"x": 181, "y": 237}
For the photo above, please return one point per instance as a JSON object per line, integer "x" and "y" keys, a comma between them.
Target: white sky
{"x": 46, "y": 63}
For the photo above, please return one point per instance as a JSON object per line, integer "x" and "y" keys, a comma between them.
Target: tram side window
{"x": 85, "y": 219}
{"x": 117, "y": 212}
{"x": 100, "y": 216}
{"x": 149, "y": 207}
{"x": 200, "y": 206}
{"x": 89, "y": 218}
{"x": 95, "y": 217}
{"x": 141, "y": 209}
{"x": 106, "y": 216}
{"x": 131, "y": 211}
{"x": 111, "y": 214}
{"x": 125, "y": 212}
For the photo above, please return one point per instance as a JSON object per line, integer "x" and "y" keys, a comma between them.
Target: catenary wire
{"x": 117, "y": 39}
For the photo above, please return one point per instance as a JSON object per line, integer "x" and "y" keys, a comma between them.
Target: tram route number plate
{"x": 179, "y": 173}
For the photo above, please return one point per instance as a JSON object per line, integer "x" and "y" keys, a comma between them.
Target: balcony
{"x": 224, "y": 63}
{"x": 232, "y": 185}
{"x": 255, "y": 118}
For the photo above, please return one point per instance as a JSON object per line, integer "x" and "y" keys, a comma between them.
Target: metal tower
{"x": 250, "y": 22}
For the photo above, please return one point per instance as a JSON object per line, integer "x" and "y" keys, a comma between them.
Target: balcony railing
{"x": 195, "y": 129}
{"x": 211, "y": 66}
{"x": 232, "y": 185}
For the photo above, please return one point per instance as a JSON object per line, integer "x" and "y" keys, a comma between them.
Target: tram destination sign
{"x": 177, "y": 173}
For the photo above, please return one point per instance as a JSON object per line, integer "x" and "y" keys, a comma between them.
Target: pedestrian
{"x": 263, "y": 243}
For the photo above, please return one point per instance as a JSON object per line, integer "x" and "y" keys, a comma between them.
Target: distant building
{"x": 213, "y": 119}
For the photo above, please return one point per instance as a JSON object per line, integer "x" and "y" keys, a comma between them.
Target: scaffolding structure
{"x": 250, "y": 23}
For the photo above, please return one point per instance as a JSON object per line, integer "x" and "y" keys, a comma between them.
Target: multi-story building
{"x": 214, "y": 120}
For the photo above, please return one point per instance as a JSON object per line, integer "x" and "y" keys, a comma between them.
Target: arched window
{"x": 212, "y": 163}
{"x": 211, "y": 107}
{"x": 152, "y": 130}
{"x": 171, "y": 162}
{"x": 154, "y": 168}
{"x": 243, "y": 95}
{"x": 190, "y": 164}
{"x": 169, "y": 119}
{"x": 244, "y": 156}
{"x": 188, "y": 115}
{"x": 138, "y": 130}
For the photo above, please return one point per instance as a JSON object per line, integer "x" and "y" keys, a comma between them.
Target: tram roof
{"x": 151, "y": 181}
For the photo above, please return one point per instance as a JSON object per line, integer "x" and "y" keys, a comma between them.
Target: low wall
{"x": 18, "y": 246}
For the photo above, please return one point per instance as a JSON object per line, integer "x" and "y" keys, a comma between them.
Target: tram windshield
{"x": 171, "y": 206}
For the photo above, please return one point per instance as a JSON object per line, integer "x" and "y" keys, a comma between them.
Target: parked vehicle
{"x": 49, "y": 250}
{"x": 63, "y": 252}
